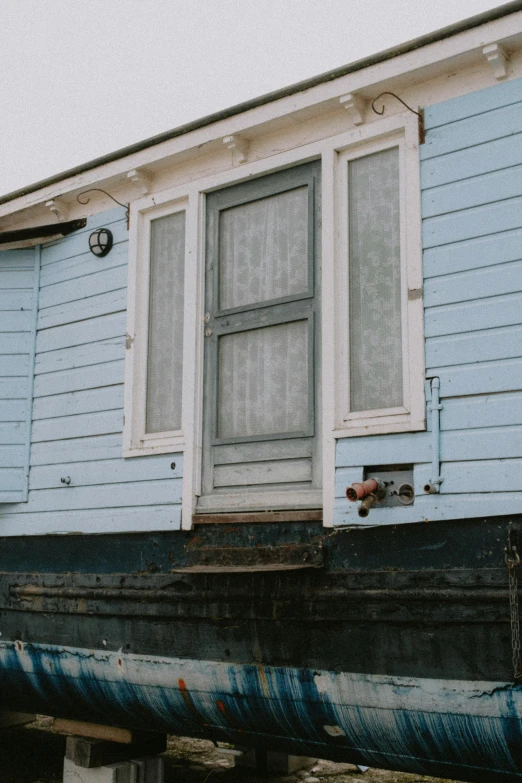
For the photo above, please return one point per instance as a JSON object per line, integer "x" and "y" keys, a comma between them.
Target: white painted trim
{"x": 136, "y": 442}
{"x": 328, "y": 353}
{"x": 192, "y": 199}
{"x": 193, "y": 355}
{"x": 410, "y": 416}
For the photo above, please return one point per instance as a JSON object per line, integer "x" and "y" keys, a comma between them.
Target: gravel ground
{"x": 32, "y": 754}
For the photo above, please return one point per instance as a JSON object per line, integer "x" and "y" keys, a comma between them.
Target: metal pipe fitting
{"x": 366, "y": 505}
{"x": 360, "y": 489}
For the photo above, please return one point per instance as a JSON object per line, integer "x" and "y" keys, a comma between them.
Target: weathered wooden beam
{"x": 259, "y": 516}
{"x": 89, "y": 753}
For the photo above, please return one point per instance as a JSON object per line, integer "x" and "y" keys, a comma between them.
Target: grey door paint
{"x": 261, "y": 419}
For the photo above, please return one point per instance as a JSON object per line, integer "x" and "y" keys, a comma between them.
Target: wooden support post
{"x": 92, "y": 745}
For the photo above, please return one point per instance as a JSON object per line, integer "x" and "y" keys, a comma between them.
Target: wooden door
{"x": 261, "y": 423}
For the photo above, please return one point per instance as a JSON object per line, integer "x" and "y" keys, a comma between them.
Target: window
{"x": 154, "y": 414}
{"x": 379, "y": 324}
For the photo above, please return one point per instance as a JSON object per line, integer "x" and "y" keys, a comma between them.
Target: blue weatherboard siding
{"x": 78, "y": 403}
{"x": 19, "y": 274}
{"x": 471, "y": 180}
{"x": 426, "y": 726}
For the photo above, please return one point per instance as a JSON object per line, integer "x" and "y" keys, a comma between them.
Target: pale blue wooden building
{"x": 316, "y": 288}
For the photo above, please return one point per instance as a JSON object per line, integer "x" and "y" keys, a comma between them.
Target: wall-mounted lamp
{"x": 100, "y": 242}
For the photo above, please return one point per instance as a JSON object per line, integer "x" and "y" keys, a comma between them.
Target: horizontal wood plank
{"x": 13, "y": 410}
{"x": 81, "y": 333}
{"x": 486, "y": 345}
{"x": 473, "y": 103}
{"x": 473, "y": 284}
{"x": 14, "y": 365}
{"x": 91, "y": 377}
{"x": 472, "y": 161}
{"x": 92, "y": 307}
{"x": 403, "y": 448}
{"x": 472, "y": 192}
{"x": 16, "y": 299}
{"x": 487, "y": 313}
{"x": 494, "y": 410}
{"x": 93, "y": 284}
{"x": 80, "y": 355}
{"x": 15, "y": 343}
{"x": 11, "y": 454}
{"x": 471, "y": 223}
{"x": 81, "y": 426}
{"x": 273, "y": 472}
{"x": 88, "y": 401}
{"x": 113, "y": 471}
{"x": 258, "y": 452}
{"x": 246, "y": 517}
{"x": 73, "y": 498}
{"x": 473, "y": 130}
{"x": 99, "y": 447}
{"x": 93, "y": 521}
{"x": 480, "y": 378}
{"x": 473, "y": 254}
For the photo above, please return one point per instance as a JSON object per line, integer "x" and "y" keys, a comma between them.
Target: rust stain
{"x": 188, "y": 701}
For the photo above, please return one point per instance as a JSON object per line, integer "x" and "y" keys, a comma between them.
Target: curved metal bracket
{"x": 420, "y": 113}
{"x": 99, "y": 190}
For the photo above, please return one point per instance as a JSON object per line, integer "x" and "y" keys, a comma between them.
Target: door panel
{"x": 261, "y": 368}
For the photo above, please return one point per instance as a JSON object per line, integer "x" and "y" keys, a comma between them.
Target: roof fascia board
{"x": 240, "y": 119}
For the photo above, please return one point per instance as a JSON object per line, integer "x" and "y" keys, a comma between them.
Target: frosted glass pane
{"x": 165, "y": 354}
{"x": 263, "y": 249}
{"x": 375, "y": 285}
{"x": 263, "y": 381}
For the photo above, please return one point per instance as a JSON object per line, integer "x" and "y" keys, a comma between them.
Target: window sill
{"x": 379, "y": 428}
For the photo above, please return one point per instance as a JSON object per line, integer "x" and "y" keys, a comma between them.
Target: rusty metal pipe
{"x": 366, "y": 505}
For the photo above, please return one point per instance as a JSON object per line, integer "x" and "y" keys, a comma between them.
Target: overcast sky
{"x": 81, "y": 78}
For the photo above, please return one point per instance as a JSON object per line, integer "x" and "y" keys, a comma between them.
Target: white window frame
{"x": 136, "y": 441}
{"x": 411, "y": 415}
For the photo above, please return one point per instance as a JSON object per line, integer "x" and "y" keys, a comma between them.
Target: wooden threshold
{"x": 312, "y": 515}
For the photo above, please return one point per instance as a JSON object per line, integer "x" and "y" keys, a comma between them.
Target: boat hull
{"x": 452, "y": 728}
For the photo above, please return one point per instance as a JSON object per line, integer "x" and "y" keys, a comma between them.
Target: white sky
{"x": 81, "y": 78}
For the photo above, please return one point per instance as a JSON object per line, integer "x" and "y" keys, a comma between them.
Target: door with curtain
{"x": 261, "y": 418}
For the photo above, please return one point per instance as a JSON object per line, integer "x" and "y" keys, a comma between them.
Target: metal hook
{"x": 99, "y": 190}
{"x": 420, "y": 113}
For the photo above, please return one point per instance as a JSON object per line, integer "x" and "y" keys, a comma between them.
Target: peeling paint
{"x": 450, "y": 728}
